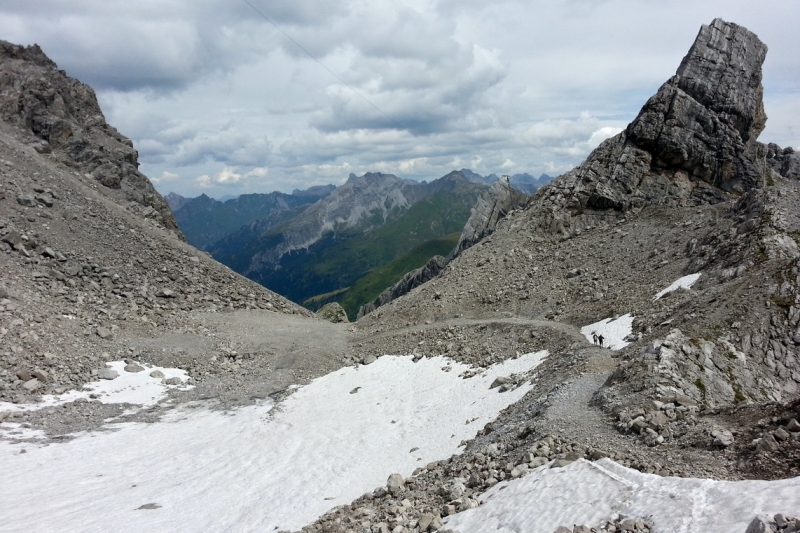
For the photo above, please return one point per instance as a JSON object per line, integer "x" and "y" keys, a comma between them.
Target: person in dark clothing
{"x": 594, "y": 337}
{"x": 600, "y": 340}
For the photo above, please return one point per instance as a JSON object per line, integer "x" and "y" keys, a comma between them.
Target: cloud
{"x": 213, "y": 93}
{"x": 166, "y": 177}
{"x": 230, "y": 177}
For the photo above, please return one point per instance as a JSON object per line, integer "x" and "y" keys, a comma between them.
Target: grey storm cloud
{"x": 213, "y": 95}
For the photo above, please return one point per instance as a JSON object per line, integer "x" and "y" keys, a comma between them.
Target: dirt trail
{"x": 563, "y": 327}
{"x": 570, "y": 409}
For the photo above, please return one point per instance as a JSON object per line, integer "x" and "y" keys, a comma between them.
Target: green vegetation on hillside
{"x": 373, "y": 284}
{"x": 339, "y": 260}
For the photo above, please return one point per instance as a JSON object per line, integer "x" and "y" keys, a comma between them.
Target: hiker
{"x": 594, "y": 337}
{"x": 600, "y": 340}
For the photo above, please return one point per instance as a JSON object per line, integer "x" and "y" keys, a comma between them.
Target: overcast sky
{"x": 217, "y": 100}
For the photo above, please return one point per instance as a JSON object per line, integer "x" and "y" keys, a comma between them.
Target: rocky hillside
{"x": 677, "y": 240}
{"x": 62, "y": 120}
{"x": 90, "y": 254}
{"x": 490, "y": 208}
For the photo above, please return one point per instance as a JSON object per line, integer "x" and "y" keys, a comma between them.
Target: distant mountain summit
{"x": 204, "y": 220}
{"x": 367, "y": 222}
{"x": 176, "y": 201}
{"x": 524, "y": 183}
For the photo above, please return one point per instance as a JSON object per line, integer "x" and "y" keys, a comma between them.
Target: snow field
{"x": 252, "y": 470}
{"x": 586, "y": 493}
{"x": 613, "y": 331}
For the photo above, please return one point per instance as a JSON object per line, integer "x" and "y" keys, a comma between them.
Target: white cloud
{"x": 166, "y": 177}
{"x": 227, "y": 176}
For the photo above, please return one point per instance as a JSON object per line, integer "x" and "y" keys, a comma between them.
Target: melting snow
{"x": 129, "y": 387}
{"x": 613, "y": 331}
{"x": 681, "y": 283}
{"x": 252, "y": 470}
{"x": 588, "y": 493}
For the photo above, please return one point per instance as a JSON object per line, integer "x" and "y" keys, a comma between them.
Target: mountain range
{"x": 204, "y": 220}
{"x": 326, "y": 245}
{"x": 366, "y": 223}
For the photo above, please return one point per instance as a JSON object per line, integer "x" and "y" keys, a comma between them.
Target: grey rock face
{"x": 492, "y": 206}
{"x": 706, "y": 118}
{"x": 64, "y": 114}
{"x": 693, "y": 142}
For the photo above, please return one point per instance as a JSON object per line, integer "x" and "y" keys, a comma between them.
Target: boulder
{"x": 332, "y": 312}
{"x": 395, "y": 484}
{"x": 26, "y": 200}
{"x": 722, "y": 438}
{"x": 760, "y": 524}
{"x": 107, "y": 373}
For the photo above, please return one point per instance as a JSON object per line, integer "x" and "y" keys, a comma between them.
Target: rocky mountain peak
{"x": 723, "y": 71}
{"x": 705, "y": 119}
{"x": 61, "y": 118}
{"x": 32, "y": 54}
{"x": 693, "y": 142}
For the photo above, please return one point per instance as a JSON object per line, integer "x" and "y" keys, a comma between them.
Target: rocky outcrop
{"x": 332, "y": 312}
{"x": 784, "y": 161}
{"x": 82, "y": 272}
{"x": 693, "y": 142}
{"x": 410, "y": 281}
{"x": 63, "y": 119}
{"x": 493, "y": 205}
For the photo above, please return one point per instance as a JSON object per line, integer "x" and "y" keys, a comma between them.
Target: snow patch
{"x": 685, "y": 282}
{"x": 613, "y": 331}
{"x": 587, "y": 493}
{"x": 252, "y": 469}
{"x": 129, "y": 387}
